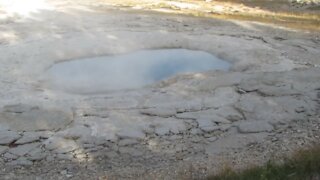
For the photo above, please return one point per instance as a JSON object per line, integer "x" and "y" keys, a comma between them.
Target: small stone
{"x": 64, "y": 172}
{"x": 69, "y": 175}
{"x": 212, "y": 139}
{"x": 206, "y": 135}
{"x": 7, "y": 137}
{"x": 255, "y": 127}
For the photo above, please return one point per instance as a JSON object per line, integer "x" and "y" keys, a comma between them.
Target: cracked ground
{"x": 187, "y": 126}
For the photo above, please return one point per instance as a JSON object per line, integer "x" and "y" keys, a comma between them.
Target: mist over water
{"x": 134, "y": 70}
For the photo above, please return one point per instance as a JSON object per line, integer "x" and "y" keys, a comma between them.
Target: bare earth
{"x": 188, "y": 126}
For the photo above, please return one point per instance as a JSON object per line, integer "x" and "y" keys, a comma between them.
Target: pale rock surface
{"x": 75, "y": 132}
{"x": 174, "y": 102}
{"x": 207, "y": 125}
{"x": 205, "y": 114}
{"x": 22, "y": 161}
{"x": 229, "y": 113}
{"x": 127, "y": 133}
{"x": 127, "y": 142}
{"x": 165, "y": 126}
{"x": 222, "y": 96}
{"x": 7, "y": 137}
{"x": 34, "y": 119}
{"x": 60, "y": 145}
{"x": 254, "y": 127}
{"x": 36, "y": 155}
{"x": 22, "y": 150}
{"x": 10, "y": 156}
{"x": 272, "y": 87}
{"x": 161, "y": 112}
{"x": 28, "y": 137}
{"x": 19, "y": 108}
{"x": 65, "y": 157}
{"x": 3, "y": 149}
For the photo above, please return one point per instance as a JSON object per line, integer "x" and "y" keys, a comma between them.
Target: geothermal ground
{"x": 188, "y": 126}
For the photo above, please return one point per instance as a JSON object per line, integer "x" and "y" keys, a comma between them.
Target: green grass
{"x": 303, "y": 165}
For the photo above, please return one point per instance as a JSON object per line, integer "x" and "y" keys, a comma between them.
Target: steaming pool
{"x": 128, "y": 71}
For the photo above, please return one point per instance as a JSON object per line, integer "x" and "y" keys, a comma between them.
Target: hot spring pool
{"x": 134, "y": 70}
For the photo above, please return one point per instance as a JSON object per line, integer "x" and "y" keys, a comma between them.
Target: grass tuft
{"x": 304, "y": 164}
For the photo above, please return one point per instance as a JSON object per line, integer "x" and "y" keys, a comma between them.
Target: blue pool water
{"x": 134, "y": 70}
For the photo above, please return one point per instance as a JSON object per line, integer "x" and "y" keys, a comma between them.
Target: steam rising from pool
{"x": 134, "y": 70}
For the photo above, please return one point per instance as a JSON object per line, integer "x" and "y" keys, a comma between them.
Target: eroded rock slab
{"x": 21, "y": 161}
{"x": 28, "y": 137}
{"x": 222, "y": 96}
{"x": 131, "y": 133}
{"x": 61, "y": 145}
{"x": 23, "y": 149}
{"x": 3, "y": 149}
{"x": 7, "y": 137}
{"x": 165, "y": 126}
{"x": 161, "y": 112}
{"x": 207, "y": 125}
{"x": 31, "y": 118}
{"x": 255, "y": 127}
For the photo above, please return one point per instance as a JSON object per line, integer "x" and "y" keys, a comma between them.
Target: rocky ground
{"x": 188, "y": 126}
{"x": 298, "y": 14}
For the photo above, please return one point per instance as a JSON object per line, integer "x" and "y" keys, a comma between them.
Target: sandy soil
{"x": 187, "y": 126}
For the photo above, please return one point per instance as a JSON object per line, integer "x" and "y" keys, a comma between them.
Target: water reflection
{"x": 134, "y": 70}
